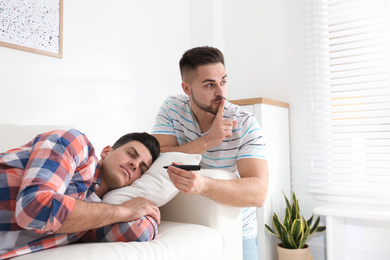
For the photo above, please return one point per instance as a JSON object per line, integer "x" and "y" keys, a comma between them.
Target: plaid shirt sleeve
{"x": 142, "y": 229}
{"x": 52, "y": 180}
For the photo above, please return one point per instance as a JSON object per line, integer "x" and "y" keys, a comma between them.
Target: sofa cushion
{"x": 154, "y": 184}
{"x": 175, "y": 241}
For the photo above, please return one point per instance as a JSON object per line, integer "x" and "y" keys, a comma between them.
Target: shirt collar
{"x": 96, "y": 180}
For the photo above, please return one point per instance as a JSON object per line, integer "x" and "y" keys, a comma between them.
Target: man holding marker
{"x": 227, "y": 136}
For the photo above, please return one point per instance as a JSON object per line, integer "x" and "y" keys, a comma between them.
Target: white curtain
{"x": 348, "y": 83}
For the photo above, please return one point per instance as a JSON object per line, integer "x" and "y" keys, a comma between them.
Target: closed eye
{"x": 134, "y": 155}
{"x": 143, "y": 169}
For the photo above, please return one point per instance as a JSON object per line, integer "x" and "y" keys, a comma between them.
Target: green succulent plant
{"x": 295, "y": 230}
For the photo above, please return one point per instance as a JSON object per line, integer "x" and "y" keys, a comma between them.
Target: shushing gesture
{"x": 221, "y": 128}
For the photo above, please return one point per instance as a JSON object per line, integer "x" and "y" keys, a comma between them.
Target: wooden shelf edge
{"x": 260, "y": 100}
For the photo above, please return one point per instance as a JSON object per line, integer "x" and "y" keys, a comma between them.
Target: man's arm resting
{"x": 140, "y": 230}
{"x": 168, "y": 143}
{"x": 248, "y": 191}
{"x": 87, "y": 215}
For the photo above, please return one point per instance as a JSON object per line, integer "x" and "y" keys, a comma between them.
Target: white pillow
{"x": 154, "y": 184}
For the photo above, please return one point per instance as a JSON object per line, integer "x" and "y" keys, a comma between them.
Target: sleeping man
{"x": 51, "y": 191}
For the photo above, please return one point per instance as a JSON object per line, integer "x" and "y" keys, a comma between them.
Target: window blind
{"x": 348, "y": 83}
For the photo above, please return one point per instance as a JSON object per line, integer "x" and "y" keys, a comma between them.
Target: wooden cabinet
{"x": 273, "y": 117}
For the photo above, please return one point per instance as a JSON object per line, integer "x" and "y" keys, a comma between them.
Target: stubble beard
{"x": 204, "y": 107}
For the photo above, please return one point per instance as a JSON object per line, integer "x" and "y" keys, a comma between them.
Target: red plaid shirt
{"x": 39, "y": 183}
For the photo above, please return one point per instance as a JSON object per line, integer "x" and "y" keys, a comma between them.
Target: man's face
{"x": 122, "y": 166}
{"x": 209, "y": 87}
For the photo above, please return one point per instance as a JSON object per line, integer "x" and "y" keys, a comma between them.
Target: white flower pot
{"x": 294, "y": 254}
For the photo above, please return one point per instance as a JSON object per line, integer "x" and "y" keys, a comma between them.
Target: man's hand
{"x": 89, "y": 215}
{"x": 221, "y": 128}
{"x": 250, "y": 190}
{"x": 188, "y": 182}
{"x": 139, "y": 207}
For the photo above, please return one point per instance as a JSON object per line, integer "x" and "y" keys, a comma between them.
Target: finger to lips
{"x": 228, "y": 122}
{"x": 220, "y": 109}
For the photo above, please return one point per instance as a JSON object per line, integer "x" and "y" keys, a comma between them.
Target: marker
{"x": 185, "y": 167}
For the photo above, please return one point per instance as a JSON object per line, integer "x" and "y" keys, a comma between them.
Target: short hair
{"x": 146, "y": 139}
{"x": 199, "y": 56}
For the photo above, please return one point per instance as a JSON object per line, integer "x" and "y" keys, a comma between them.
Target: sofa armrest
{"x": 197, "y": 209}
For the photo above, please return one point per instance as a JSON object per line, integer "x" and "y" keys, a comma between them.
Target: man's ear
{"x": 186, "y": 88}
{"x": 106, "y": 150}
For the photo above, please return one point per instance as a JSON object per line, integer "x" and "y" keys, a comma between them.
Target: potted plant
{"x": 294, "y": 232}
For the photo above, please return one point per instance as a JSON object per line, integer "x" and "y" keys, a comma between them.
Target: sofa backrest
{"x": 13, "y": 136}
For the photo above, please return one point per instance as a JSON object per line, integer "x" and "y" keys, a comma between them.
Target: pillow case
{"x": 154, "y": 184}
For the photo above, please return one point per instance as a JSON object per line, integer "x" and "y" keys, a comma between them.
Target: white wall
{"x": 254, "y": 41}
{"x": 120, "y": 60}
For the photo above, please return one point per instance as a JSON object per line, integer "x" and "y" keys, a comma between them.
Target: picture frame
{"x": 32, "y": 26}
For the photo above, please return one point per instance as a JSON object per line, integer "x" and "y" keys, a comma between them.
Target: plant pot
{"x": 294, "y": 254}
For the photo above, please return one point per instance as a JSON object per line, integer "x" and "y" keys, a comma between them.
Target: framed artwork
{"x": 33, "y": 26}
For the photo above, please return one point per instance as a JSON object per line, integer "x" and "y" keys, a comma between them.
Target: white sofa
{"x": 192, "y": 227}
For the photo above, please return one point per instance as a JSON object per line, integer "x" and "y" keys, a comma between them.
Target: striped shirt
{"x": 247, "y": 141}
{"x": 39, "y": 183}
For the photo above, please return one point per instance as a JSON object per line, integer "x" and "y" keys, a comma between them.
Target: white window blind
{"x": 349, "y": 98}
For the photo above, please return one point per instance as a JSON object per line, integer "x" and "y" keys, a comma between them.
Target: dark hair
{"x": 146, "y": 139}
{"x": 199, "y": 56}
